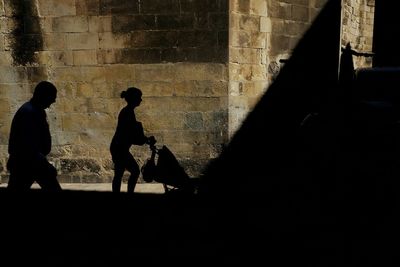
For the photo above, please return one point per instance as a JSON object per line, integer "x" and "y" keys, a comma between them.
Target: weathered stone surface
{"x": 88, "y": 7}
{"x": 121, "y": 24}
{"x": 202, "y": 66}
{"x": 160, "y": 7}
{"x": 73, "y": 165}
{"x": 108, "y": 7}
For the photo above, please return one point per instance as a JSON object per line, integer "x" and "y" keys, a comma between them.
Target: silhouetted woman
{"x": 129, "y": 132}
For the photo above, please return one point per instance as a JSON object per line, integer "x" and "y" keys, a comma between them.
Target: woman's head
{"x": 132, "y": 95}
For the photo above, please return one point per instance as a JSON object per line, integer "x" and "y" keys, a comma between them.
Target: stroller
{"x": 167, "y": 171}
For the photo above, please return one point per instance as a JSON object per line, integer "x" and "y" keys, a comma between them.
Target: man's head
{"x": 45, "y": 94}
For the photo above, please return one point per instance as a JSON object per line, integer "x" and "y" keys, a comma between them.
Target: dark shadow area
{"x": 312, "y": 174}
{"x": 386, "y": 32}
{"x": 309, "y": 179}
{"x": 27, "y": 33}
{"x": 77, "y": 228}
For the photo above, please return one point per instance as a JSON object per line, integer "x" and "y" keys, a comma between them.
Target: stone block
{"x": 201, "y": 21}
{"x": 241, "y": 6}
{"x": 84, "y": 57}
{"x": 279, "y": 44}
{"x": 300, "y": 13}
{"x": 46, "y": 24}
{"x": 66, "y": 89}
{"x": 36, "y": 74}
{"x": 199, "y": 6}
{"x": 294, "y": 41}
{"x": 77, "y": 41}
{"x": 249, "y": 23}
{"x": 88, "y": 7}
{"x": 74, "y": 122}
{"x": 119, "y": 72}
{"x": 2, "y": 42}
{"x": 84, "y": 90}
{"x": 99, "y": 121}
{"x": 123, "y": 24}
{"x": 100, "y": 24}
{"x": 155, "y": 88}
{"x": 193, "y": 121}
{"x": 247, "y": 72}
{"x": 265, "y": 24}
{"x": 2, "y": 11}
{"x": 12, "y": 75}
{"x": 109, "y": 40}
{"x": 216, "y": 121}
{"x": 118, "y": 7}
{"x": 185, "y": 54}
{"x": 297, "y": 2}
{"x": 94, "y": 74}
{"x": 191, "y": 104}
{"x": 197, "y": 38}
{"x": 153, "y": 39}
{"x": 102, "y": 91}
{"x": 160, "y": 7}
{"x": 175, "y": 22}
{"x": 6, "y": 58}
{"x": 4, "y": 106}
{"x": 295, "y": 28}
{"x": 200, "y": 88}
{"x": 73, "y": 24}
{"x": 221, "y": 55}
{"x": 56, "y": 7}
{"x": 151, "y": 106}
{"x": 240, "y": 39}
{"x": 106, "y": 56}
{"x": 245, "y": 56}
{"x": 138, "y": 56}
{"x": 54, "y": 41}
{"x": 259, "y": 7}
{"x": 66, "y": 74}
{"x": 258, "y": 40}
{"x": 320, "y": 3}
{"x": 206, "y": 54}
{"x": 155, "y": 73}
{"x": 201, "y": 72}
{"x": 55, "y": 58}
{"x": 32, "y": 25}
{"x": 279, "y": 10}
{"x": 219, "y": 21}
{"x": 166, "y": 121}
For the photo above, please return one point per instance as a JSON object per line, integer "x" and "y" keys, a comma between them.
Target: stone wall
{"x": 357, "y": 29}
{"x": 263, "y": 34}
{"x": 174, "y": 50}
{"x": 201, "y": 64}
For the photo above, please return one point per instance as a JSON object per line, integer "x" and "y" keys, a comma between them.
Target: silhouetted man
{"x": 30, "y": 143}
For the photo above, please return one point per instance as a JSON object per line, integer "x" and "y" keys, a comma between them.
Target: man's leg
{"x": 19, "y": 181}
{"x": 21, "y": 176}
{"x": 46, "y": 177}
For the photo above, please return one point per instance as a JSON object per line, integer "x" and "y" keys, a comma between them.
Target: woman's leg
{"x": 118, "y": 173}
{"x": 133, "y": 168}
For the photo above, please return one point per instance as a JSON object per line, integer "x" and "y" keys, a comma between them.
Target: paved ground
{"x": 140, "y": 188}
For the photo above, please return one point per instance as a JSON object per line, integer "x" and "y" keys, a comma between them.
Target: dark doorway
{"x": 386, "y": 34}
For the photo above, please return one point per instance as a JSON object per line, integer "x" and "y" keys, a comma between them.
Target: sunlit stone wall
{"x": 174, "y": 50}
